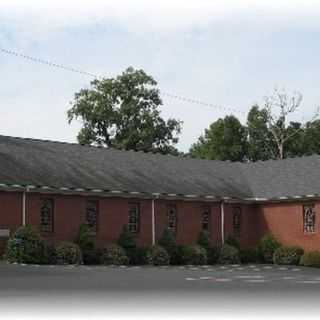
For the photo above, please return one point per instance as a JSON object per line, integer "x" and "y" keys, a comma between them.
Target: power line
{"x": 96, "y": 76}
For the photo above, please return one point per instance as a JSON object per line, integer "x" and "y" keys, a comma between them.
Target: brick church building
{"x": 57, "y": 186}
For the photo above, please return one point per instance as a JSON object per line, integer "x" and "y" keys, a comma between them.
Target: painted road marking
{"x": 256, "y": 269}
{"x": 205, "y": 278}
{"x": 222, "y": 280}
{"x": 295, "y": 269}
{"x": 256, "y": 280}
{"x": 309, "y": 281}
{"x": 250, "y": 277}
{"x": 283, "y": 268}
{"x": 190, "y": 279}
{"x": 267, "y": 267}
{"x": 288, "y": 278}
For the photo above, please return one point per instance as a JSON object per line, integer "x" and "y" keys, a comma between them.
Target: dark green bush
{"x": 91, "y": 257}
{"x": 287, "y": 255}
{"x": 249, "y": 255}
{"x": 114, "y": 255}
{"x": 127, "y": 239}
{"x": 139, "y": 256}
{"x": 213, "y": 254}
{"x": 266, "y": 248}
{"x": 176, "y": 257}
{"x": 195, "y": 255}
{"x": 26, "y": 246}
{"x": 68, "y": 253}
{"x": 233, "y": 242}
{"x": 84, "y": 240}
{"x": 311, "y": 259}
{"x": 168, "y": 241}
{"x": 158, "y": 256}
{"x": 204, "y": 239}
{"x": 229, "y": 255}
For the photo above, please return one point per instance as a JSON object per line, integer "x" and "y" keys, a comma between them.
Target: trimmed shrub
{"x": 176, "y": 257}
{"x": 139, "y": 256}
{"x": 195, "y": 255}
{"x": 26, "y": 246}
{"x": 287, "y": 255}
{"x": 228, "y": 255}
{"x": 168, "y": 241}
{"x": 84, "y": 240}
{"x": 158, "y": 256}
{"x": 127, "y": 239}
{"x": 267, "y": 246}
{"x": 213, "y": 255}
{"x": 311, "y": 259}
{"x": 249, "y": 255}
{"x": 68, "y": 253}
{"x": 233, "y": 242}
{"x": 204, "y": 239}
{"x": 114, "y": 254}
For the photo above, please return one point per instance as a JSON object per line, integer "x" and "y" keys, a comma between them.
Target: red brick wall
{"x": 248, "y": 227}
{"x": 285, "y": 222}
{"x": 188, "y": 220}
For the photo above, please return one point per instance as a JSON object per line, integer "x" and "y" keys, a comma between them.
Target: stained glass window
{"x": 134, "y": 217}
{"x": 309, "y": 218}
{"x": 236, "y": 221}
{"x": 92, "y": 215}
{"x": 172, "y": 218}
{"x": 205, "y": 219}
{"x": 46, "y": 215}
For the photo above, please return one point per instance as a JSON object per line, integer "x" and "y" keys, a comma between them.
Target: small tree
{"x": 168, "y": 241}
{"x": 126, "y": 239}
{"x": 84, "y": 239}
{"x": 204, "y": 239}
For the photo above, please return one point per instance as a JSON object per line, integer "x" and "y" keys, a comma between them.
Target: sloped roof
{"x": 63, "y": 165}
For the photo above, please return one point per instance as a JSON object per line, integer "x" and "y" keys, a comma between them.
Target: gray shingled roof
{"x": 56, "y": 164}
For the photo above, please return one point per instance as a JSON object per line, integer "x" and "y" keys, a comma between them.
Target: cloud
{"x": 146, "y": 15}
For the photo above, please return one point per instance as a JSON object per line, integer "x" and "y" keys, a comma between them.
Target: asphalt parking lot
{"x": 18, "y": 279}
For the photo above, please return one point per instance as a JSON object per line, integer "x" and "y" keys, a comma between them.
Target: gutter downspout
{"x": 222, "y": 221}
{"x": 153, "y": 222}
{"x": 24, "y": 194}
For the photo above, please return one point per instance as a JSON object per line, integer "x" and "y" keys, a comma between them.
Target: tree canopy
{"x": 124, "y": 112}
{"x": 226, "y": 139}
{"x": 267, "y": 134}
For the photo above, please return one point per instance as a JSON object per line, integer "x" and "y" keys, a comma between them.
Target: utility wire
{"x": 85, "y": 73}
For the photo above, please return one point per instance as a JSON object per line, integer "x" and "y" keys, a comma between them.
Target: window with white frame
{"x": 236, "y": 221}
{"x": 134, "y": 217}
{"x": 46, "y": 215}
{"x": 92, "y": 215}
{"x": 309, "y": 219}
{"x": 172, "y": 217}
{"x": 205, "y": 218}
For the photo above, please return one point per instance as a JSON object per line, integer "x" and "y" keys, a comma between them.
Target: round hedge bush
{"x": 228, "y": 255}
{"x": 249, "y": 255}
{"x": 26, "y": 246}
{"x": 194, "y": 255}
{"x": 113, "y": 254}
{"x": 311, "y": 259}
{"x": 138, "y": 256}
{"x": 266, "y": 248}
{"x": 287, "y": 255}
{"x": 159, "y": 256}
{"x": 213, "y": 255}
{"x": 68, "y": 253}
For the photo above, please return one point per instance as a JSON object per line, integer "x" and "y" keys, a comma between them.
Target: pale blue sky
{"x": 230, "y": 55}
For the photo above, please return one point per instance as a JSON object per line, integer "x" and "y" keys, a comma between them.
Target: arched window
{"x": 134, "y": 217}
{"x": 237, "y": 221}
{"x": 309, "y": 219}
{"x": 46, "y": 215}
{"x": 172, "y": 217}
{"x": 92, "y": 215}
{"x": 205, "y": 218}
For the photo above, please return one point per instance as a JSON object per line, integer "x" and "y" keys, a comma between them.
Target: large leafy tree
{"x": 123, "y": 112}
{"x": 260, "y": 141}
{"x": 226, "y": 139}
